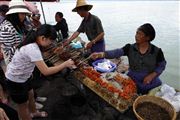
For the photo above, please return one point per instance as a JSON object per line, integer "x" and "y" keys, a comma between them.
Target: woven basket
{"x": 156, "y": 100}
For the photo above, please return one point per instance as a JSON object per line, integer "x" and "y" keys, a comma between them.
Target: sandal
{"x": 39, "y": 114}
{"x": 41, "y": 99}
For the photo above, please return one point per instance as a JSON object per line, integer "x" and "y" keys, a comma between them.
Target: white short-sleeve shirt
{"x": 23, "y": 63}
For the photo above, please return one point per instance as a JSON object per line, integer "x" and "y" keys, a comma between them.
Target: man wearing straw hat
{"x": 91, "y": 25}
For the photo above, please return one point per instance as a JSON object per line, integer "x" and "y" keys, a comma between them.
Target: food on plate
{"x": 123, "y": 106}
{"x": 113, "y": 101}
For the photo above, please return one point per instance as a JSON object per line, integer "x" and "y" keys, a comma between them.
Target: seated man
{"x": 61, "y": 25}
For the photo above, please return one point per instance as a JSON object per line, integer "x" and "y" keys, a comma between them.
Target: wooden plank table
{"x": 118, "y": 103}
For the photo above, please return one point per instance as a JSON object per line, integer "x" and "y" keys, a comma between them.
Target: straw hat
{"x": 81, "y": 3}
{"x": 17, "y": 6}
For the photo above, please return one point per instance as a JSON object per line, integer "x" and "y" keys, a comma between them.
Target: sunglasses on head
{"x": 36, "y": 15}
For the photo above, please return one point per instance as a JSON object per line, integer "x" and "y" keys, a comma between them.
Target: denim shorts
{"x": 19, "y": 92}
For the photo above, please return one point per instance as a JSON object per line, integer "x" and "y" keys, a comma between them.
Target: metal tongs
{"x": 84, "y": 60}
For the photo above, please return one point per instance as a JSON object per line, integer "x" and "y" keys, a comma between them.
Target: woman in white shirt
{"x": 27, "y": 56}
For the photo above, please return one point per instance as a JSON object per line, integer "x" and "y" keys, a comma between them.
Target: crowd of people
{"x": 23, "y": 38}
{"x": 20, "y": 28}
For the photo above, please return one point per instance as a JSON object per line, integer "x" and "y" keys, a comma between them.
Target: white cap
{"x": 17, "y": 6}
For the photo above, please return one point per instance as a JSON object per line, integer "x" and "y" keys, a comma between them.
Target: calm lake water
{"x": 120, "y": 20}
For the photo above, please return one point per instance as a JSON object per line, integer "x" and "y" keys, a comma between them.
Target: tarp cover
{"x": 38, "y": 0}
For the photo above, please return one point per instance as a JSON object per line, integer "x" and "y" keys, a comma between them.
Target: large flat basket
{"x": 155, "y": 100}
